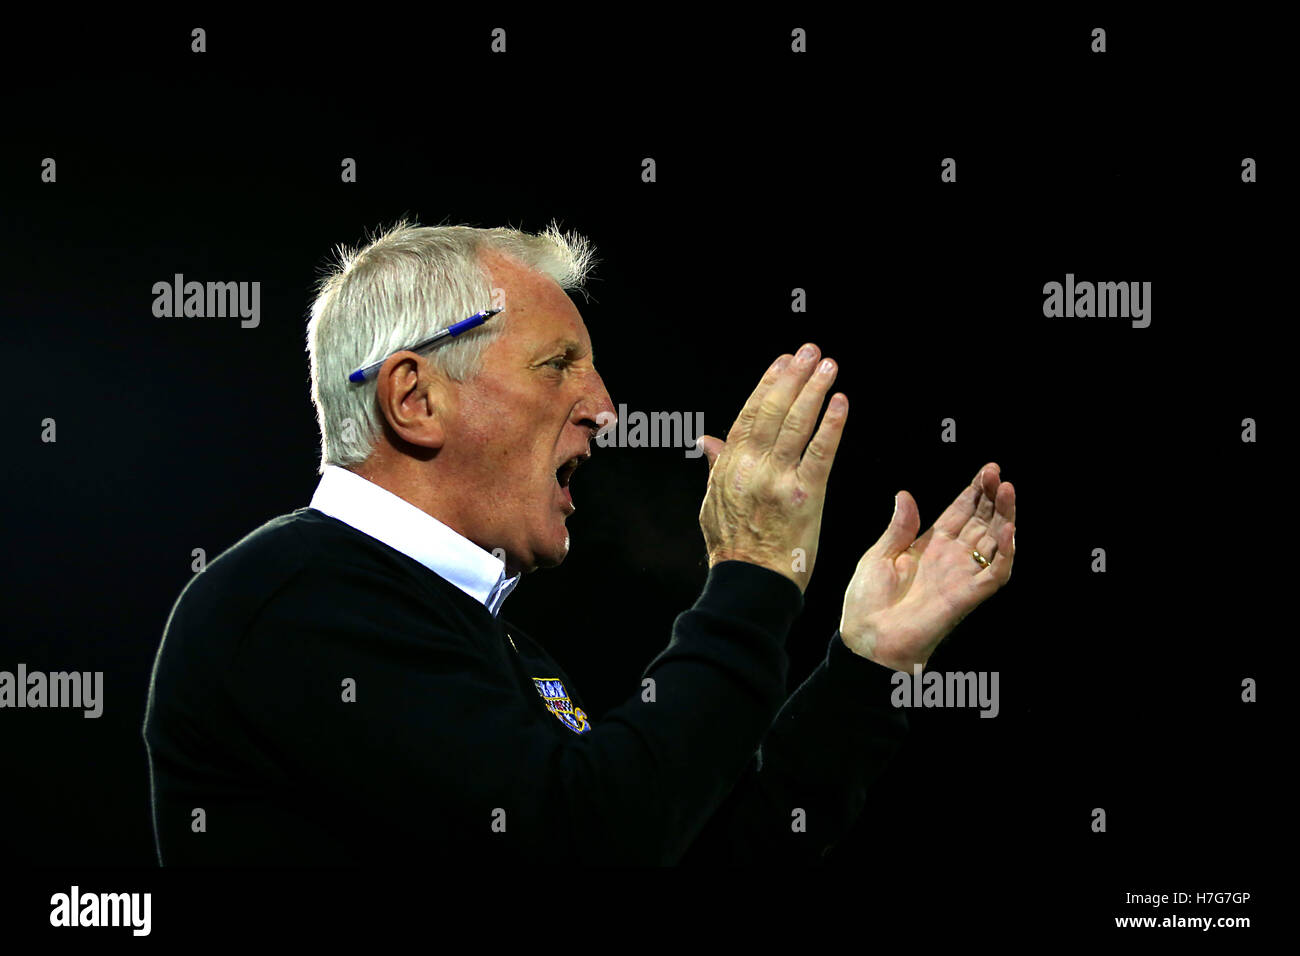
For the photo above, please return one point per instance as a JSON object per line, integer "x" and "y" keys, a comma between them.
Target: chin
{"x": 555, "y": 556}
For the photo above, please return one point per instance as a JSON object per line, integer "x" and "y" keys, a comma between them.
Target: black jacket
{"x": 325, "y": 699}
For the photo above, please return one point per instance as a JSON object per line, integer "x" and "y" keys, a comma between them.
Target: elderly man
{"x": 339, "y": 685}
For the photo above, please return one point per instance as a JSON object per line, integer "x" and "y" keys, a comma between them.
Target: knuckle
{"x": 770, "y": 406}
{"x": 796, "y": 419}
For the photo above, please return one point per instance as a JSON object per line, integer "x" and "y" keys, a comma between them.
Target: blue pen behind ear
{"x": 478, "y": 318}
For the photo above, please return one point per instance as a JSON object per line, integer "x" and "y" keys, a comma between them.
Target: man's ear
{"x": 414, "y": 398}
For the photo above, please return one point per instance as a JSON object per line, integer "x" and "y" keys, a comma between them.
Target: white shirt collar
{"x": 375, "y": 511}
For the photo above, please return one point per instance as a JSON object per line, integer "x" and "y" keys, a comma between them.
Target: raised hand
{"x": 908, "y": 593}
{"x": 764, "y": 499}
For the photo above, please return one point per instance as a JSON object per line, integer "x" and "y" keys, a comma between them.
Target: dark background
{"x": 1118, "y": 690}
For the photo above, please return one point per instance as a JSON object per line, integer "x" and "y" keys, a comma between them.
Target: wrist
{"x": 774, "y": 563}
{"x": 864, "y": 645}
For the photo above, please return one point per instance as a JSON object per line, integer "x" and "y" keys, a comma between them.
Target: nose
{"x": 595, "y": 410}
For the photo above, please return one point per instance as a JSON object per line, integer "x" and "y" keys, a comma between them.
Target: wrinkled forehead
{"x": 553, "y": 328}
{"x": 538, "y": 313}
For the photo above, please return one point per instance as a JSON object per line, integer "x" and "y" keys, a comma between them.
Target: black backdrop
{"x": 1120, "y": 690}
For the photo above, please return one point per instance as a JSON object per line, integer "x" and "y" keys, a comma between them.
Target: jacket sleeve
{"x": 808, "y": 782}
{"x": 438, "y": 739}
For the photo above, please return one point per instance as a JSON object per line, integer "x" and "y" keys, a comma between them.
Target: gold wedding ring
{"x": 984, "y": 562}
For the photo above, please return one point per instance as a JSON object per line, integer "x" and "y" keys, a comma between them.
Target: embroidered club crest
{"x": 557, "y": 701}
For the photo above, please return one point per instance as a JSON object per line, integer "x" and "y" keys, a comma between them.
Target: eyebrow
{"x": 570, "y": 345}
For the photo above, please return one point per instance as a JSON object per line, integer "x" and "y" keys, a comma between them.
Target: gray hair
{"x": 404, "y": 286}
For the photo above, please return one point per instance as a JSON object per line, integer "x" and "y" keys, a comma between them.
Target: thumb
{"x": 900, "y": 534}
{"x": 712, "y": 448}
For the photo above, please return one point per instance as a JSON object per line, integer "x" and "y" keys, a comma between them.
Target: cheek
{"x": 478, "y": 423}
{"x": 490, "y": 437}
{"x": 505, "y": 466}
{"x": 507, "y": 448}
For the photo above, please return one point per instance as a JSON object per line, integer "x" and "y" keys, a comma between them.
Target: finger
{"x": 991, "y": 514}
{"x": 986, "y": 545}
{"x": 985, "y": 581}
{"x": 1004, "y": 513}
{"x": 901, "y": 533}
{"x": 988, "y": 480}
{"x": 815, "y": 467}
{"x": 1000, "y": 570}
{"x": 745, "y": 420}
{"x": 957, "y": 514}
{"x": 775, "y": 404}
{"x": 712, "y": 448}
{"x": 1006, "y": 505}
{"x": 802, "y": 416}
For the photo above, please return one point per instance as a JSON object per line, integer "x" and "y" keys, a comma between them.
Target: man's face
{"x": 534, "y": 406}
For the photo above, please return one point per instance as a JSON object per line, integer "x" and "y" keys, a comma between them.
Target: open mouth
{"x": 563, "y": 475}
{"x": 565, "y": 471}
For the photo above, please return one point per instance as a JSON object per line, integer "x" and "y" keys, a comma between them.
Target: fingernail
{"x": 806, "y": 354}
{"x": 826, "y": 367}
